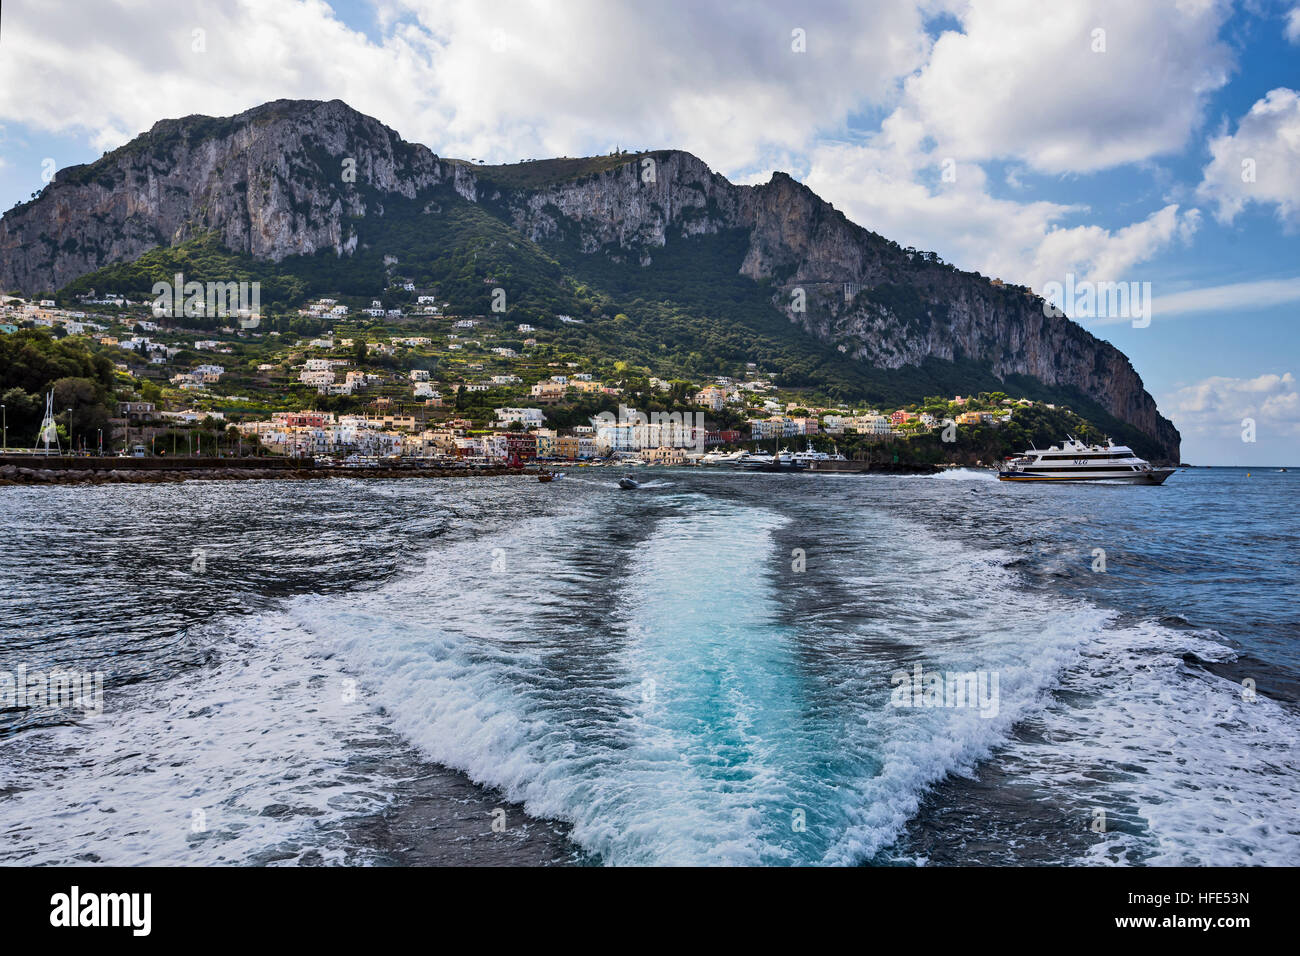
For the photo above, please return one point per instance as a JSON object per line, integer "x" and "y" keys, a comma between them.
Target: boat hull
{"x": 767, "y": 464}
{"x": 1155, "y": 476}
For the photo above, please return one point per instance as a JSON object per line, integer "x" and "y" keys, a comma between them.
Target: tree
{"x": 88, "y": 412}
{"x": 23, "y": 411}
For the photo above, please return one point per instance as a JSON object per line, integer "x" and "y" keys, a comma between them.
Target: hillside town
{"x": 368, "y": 382}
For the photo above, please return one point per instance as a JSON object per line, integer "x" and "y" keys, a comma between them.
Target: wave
{"x": 1198, "y": 770}
{"x": 965, "y": 474}
{"x": 705, "y": 682}
{"x": 235, "y": 762}
{"x": 654, "y": 693}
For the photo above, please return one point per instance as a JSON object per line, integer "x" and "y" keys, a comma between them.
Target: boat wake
{"x": 965, "y": 474}
{"x": 692, "y": 725}
{"x": 712, "y": 683}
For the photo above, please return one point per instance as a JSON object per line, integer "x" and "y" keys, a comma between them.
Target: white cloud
{"x": 1260, "y": 163}
{"x": 1215, "y": 407}
{"x": 1026, "y": 80}
{"x": 113, "y": 70}
{"x": 520, "y": 78}
{"x": 1292, "y": 29}
{"x": 1022, "y": 81}
{"x": 499, "y": 81}
{"x": 1236, "y": 297}
{"x": 893, "y": 188}
{"x": 524, "y": 78}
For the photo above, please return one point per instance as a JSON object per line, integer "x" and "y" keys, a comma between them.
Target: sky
{"x": 1059, "y": 145}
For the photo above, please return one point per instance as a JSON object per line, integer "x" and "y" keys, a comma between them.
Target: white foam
{"x": 521, "y": 658}
{"x": 484, "y": 673}
{"x": 238, "y": 741}
{"x": 966, "y": 474}
{"x": 1195, "y": 773}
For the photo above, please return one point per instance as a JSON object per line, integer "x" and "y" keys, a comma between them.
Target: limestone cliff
{"x": 859, "y": 292}
{"x": 279, "y": 179}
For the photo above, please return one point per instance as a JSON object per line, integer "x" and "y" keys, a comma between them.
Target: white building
{"x": 526, "y": 416}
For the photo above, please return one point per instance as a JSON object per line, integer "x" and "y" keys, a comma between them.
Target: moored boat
{"x": 781, "y": 461}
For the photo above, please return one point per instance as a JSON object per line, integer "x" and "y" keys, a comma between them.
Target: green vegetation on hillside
{"x": 33, "y": 362}
{"x": 539, "y": 173}
{"x": 689, "y": 313}
{"x": 204, "y": 260}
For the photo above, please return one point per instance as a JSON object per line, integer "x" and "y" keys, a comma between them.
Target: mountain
{"x": 698, "y": 271}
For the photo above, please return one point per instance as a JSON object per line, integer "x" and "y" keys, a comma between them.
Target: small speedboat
{"x": 628, "y": 483}
{"x": 549, "y": 475}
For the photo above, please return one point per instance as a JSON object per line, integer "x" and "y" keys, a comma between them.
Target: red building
{"x": 728, "y": 436}
{"x": 521, "y": 446}
{"x": 303, "y": 419}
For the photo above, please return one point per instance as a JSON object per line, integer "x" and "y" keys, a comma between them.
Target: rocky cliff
{"x": 871, "y": 299}
{"x": 279, "y": 179}
{"x": 293, "y": 177}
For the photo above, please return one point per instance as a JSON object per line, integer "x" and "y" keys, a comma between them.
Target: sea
{"x": 718, "y": 668}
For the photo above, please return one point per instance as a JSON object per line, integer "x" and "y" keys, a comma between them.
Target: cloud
{"x": 1236, "y": 297}
{"x": 720, "y": 80}
{"x": 1260, "y": 163}
{"x": 501, "y": 81}
{"x": 893, "y": 187}
{"x": 516, "y": 78}
{"x": 1216, "y": 407}
{"x": 528, "y": 78}
{"x": 1037, "y": 86}
{"x": 1071, "y": 87}
{"x": 1292, "y": 29}
{"x": 112, "y": 70}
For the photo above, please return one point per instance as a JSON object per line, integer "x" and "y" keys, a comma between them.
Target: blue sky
{"x": 1110, "y": 157}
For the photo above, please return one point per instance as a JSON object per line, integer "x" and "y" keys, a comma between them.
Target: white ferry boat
{"x": 1075, "y": 461}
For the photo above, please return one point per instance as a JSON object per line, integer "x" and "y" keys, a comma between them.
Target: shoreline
{"x": 33, "y": 470}
{"x": 102, "y": 471}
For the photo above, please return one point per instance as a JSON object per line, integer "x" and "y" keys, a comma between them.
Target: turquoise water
{"x": 697, "y": 672}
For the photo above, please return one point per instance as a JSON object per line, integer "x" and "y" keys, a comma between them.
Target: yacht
{"x": 781, "y": 461}
{"x": 727, "y": 459}
{"x": 1075, "y": 461}
{"x": 808, "y": 456}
